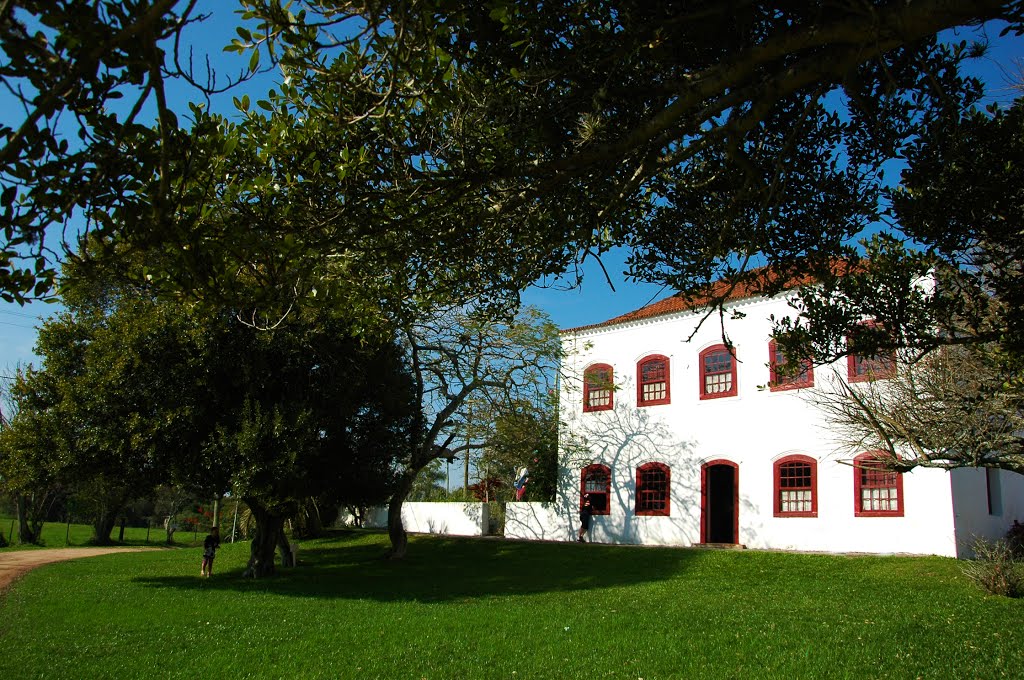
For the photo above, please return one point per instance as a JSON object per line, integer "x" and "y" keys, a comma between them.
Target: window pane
{"x": 652, "y": 491}
{"x": 716, "y": 384}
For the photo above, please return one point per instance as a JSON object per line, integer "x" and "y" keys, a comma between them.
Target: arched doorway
{"x": 719, "y": 502}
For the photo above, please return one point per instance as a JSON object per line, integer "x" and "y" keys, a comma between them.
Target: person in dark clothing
{"x": 585, "y": 513}
{"x": 210, "y": 545}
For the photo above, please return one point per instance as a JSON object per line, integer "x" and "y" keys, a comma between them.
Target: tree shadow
{"x": 442, "y": 569}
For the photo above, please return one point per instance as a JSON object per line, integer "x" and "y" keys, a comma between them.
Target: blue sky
{"x": 594, "y": 301}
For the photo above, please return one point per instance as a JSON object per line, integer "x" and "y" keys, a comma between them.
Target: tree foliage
{"x": 491, "y": 147}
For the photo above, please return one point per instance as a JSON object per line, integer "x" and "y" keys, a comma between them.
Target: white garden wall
{"x": 453, "y": 519}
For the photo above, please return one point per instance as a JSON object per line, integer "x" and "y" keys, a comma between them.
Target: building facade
{"x": 682, "y": 440}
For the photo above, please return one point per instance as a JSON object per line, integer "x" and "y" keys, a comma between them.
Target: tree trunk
{"x": 285, "y": 549}
{"x": 28, "y": 527}
{"x": 269, "y": 531}
{"x": 102, "y": 526}
{"x": 396, "y": 530}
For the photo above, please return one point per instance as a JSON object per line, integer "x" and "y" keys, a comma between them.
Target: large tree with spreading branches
{"x": 486, "y": 145}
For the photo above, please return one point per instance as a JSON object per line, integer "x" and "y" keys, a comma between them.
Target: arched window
{"x": 717, "y": 373}
{"x": 653, "y": 483}
{"x": 796, "y": 487}
{"x": 597, "y": 388}
{"x": 877, "y": 492}
{"x": 652, "y": 384}
{"x": 862, "y": 368}
{"x": 785, "y": 380}
{"x": 596, "y": 481}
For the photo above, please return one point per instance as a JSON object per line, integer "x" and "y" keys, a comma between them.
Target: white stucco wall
{"x": 453, "y": 519}
{"x": 752, "y": 429}
{"x": 972, "y": 514}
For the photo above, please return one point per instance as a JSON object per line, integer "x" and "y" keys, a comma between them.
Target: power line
{"x": 24, "y": 314}
{"x": 18, "y": 325}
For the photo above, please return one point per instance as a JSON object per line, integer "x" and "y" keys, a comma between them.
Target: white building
{"x": 696, "y": 445}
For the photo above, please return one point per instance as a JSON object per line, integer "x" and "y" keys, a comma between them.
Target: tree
{"x": 954, "y": 276}
{"x": 493, "y": 147}
{"x": 85, "y": 78}
{"x": 26, "y": 472}
{"x": 960, "y": 406}
{"x": 524, "y": 435}
{"x": 113, "y": 399}
{"x": 313, "y": 413}
{"x": 459, "y": 356}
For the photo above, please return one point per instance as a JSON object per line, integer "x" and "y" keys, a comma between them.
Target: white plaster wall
{"x": 752, "y": 430}
{"x": 453, "y": 519}
{"x": 971, "y": 507}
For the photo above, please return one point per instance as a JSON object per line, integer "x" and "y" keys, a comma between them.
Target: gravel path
{"x": 15, "y": 563}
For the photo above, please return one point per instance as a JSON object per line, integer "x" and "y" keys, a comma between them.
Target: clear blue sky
{"x": 593, "y": 302}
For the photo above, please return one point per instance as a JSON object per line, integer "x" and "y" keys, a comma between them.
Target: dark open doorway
{"x": 719, "y": 490}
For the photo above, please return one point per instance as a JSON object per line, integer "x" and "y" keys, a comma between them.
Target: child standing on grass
{"x": 210, "y": 546}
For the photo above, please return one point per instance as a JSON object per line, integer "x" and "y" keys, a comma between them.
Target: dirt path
{"x": 16, "y": 563}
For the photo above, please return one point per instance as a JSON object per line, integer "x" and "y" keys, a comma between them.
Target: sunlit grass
{"x": 60, "y": 535}
{"x": 489, "y": 608}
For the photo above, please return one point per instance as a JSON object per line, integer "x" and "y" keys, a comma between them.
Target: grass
{"x": 464, "y": 608}
{"x": 59, "y": 535}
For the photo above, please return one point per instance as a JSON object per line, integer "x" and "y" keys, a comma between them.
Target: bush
{"x": 995, "y": 568}
{"x": 1015, "y": 540}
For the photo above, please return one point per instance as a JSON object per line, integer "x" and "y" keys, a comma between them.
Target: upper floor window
{"x": 597, "y": 388}
{"x": 861, "y": 368}
{"x": 796, "y": 487}
{"x": 782, "y": 379}
{"x": 652, "y": 489}
{"x": 877, "y": 492}
{"x": 652, "y": 381}
{"x": 596, "y": 482}
{"x": 717, "y": 372}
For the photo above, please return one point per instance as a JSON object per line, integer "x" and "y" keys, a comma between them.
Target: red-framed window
{"x": 652, "y": 381}
{"x": 717, "y": 373}
{"x": 877, "y": 492}
{"x": 796, "y": 487}
{"x": 596, "y": 481}
{"x": 785, "y": 380}
{"x": 653, "y": 483}
{"x": 861, "y": 368}
{"x": 598, "y": 384}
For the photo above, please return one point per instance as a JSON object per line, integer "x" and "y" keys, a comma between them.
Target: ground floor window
{"x": 877, "y": 492}
{"x": 652, "y": 489}
{"x": 796, "y": 481}
{"x": 596, "y": 481}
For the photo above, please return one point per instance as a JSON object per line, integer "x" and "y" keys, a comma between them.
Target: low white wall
{"x": 540, "y": 521}
{"x": 452, "y": 519}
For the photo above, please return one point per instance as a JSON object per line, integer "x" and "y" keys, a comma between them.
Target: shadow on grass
{"x": 438, "y": 569}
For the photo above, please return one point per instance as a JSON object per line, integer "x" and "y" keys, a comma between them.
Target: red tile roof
{"x": 719, "y": 292}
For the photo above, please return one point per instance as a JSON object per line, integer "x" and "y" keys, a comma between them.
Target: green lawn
{"x": 494, "y": 609}
{"x": 58, "y": 535}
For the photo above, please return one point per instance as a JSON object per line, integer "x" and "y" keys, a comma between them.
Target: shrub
{"x": 1015, "y": 539}
{"x": 995, "y": 568}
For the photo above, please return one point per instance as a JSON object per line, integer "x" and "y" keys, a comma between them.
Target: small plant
{"x": 995, "y": 568}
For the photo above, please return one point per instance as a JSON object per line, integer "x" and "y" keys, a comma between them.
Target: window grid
{"x": 652, "y": 489}
{"x": 596, "y": 480}
{"x": 653, "y": 381}
{"x": 782, "y": 381}
{"x": 796, "y": 487}
{"x": 718, "y": 373}
{"x": 878, "y": 492}
{"x": 597, "y": 388}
